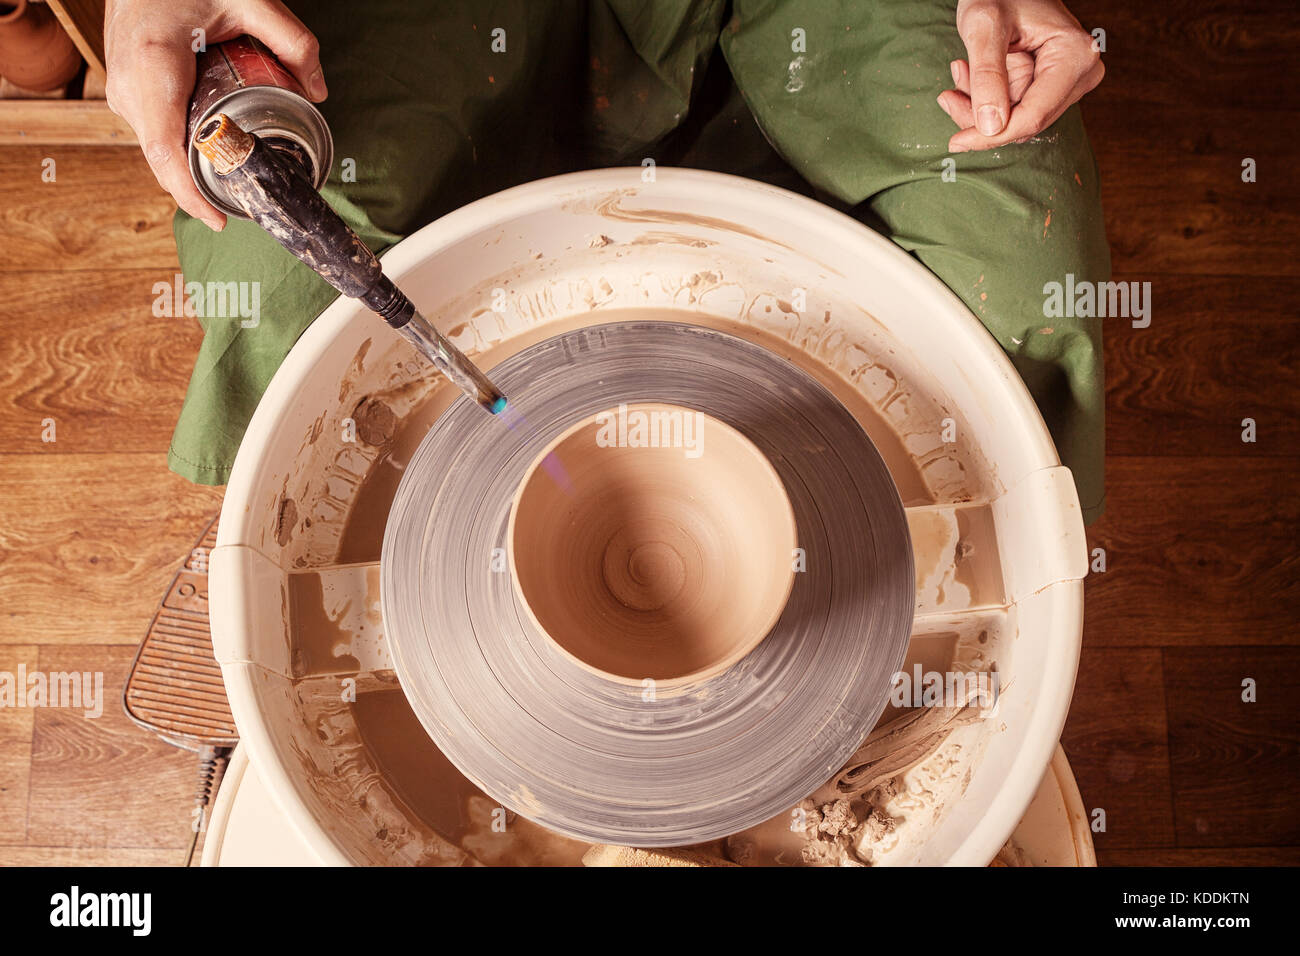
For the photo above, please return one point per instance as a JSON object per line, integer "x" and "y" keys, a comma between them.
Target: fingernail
{"x": 956, "y": 74}
{"x": 958, "y": 149}
{"x": 990, "y": 120}
{"x": 942, "y": 105}
{"x": 316, "y": 84}
{"x": 216, "y": 225}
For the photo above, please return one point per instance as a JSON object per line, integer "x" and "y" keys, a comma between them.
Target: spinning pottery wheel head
{"x": 637, "y": 640}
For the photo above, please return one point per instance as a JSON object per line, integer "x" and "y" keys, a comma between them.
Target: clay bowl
{"x": 652, "y": 542}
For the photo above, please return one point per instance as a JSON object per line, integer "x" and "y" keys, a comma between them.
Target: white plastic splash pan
{"x": 994, "y": 517}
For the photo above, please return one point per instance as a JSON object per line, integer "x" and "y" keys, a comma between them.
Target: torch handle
{"x": 275, "y": 193}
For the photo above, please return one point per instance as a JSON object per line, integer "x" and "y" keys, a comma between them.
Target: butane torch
{"x": 274, "y": 191}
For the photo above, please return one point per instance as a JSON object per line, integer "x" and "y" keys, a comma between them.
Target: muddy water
{"x": 443, "y": 798}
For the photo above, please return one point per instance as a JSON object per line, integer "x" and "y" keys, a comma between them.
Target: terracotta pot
{"x": 35, "y": 53}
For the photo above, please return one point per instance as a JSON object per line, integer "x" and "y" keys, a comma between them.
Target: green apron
{"x": 432, "y": 119}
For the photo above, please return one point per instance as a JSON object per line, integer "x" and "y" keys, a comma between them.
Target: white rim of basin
{"x": 1029, "y": 443}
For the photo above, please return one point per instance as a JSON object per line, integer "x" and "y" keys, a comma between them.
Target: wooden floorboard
{"x": 1177, "y": 205}
{"x": 102, "y": 211}
{"x": 87, "y": 354}
{"x": 1229, "y": 856}
{"x": 87, "y": 774}
{"x": 1199, "y": 550}
{"x": 16, "y": 727}
{"x": 89, "y": 856}
{"x": 63, "y": 122}
{"x": 1117, "y": 744}
{"x": 1207, "y": 362}
{"x": 1199, "y": 530}
{"x": 1233, "y": 759}
{"x": 1207, "y": 53}
{"x": 90, "y": 542}
{"x": 1192, "y": 88}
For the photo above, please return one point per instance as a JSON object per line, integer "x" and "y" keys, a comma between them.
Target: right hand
{"x": 150, "y": 58}
{"x": 1030, "y": 60}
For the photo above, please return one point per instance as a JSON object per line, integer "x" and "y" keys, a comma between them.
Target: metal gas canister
{"x": 244, "y": 80}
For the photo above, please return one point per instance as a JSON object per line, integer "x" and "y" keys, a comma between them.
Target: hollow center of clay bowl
{"x": 653, "y": 541}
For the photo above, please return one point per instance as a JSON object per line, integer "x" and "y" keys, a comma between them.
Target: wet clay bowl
{"x": 652, "y": 541}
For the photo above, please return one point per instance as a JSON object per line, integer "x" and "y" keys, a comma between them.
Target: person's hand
{"x": 150, "y": 58}
{"x": 1029, "y": 62}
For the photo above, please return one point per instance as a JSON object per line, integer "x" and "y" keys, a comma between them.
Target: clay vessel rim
{"x": 8, "y": 16}
{"x": 743, "y": 648}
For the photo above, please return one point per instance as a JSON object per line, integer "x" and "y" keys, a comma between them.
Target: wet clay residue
{"x": 375, "y": 421}
{"x": 355, "y": 369}
{"x": 285, "y": 521}
{"x": 611, "y": 208}
{"x": 320, "y": 639}
{"x": 377, "y": 751}
{"x": 441, "y": 798}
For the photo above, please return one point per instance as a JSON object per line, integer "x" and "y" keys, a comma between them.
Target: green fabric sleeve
{"x": 854, "y": 113}
{"x": 431, "y": 118}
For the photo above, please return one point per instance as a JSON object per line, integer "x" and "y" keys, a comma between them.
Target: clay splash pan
{"x": 661, "y": 602}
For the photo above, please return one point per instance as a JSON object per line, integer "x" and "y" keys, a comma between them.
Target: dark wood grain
{"x": 1175, "y": 201}
{"x": 1227, "y": 856}
{"x": 1219, "y": 349}
{"x": 1234, "y": 763}
{"x": 1191, "y": 89}
{"x": 1116, "y": 742}
{"x": 1204, "y": 53}
{"x": 1198, "y": 551}
{"x": 1200, "y": 545}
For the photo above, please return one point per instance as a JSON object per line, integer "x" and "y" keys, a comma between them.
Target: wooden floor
{"x": 92, "y": 524}
{"x": 1202, "y": 587}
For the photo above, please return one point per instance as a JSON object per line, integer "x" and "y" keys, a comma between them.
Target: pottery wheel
{"x": 603, "y": 760}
